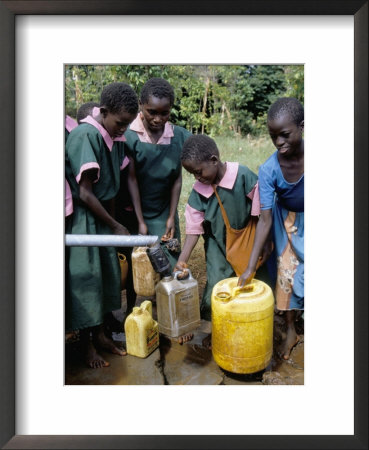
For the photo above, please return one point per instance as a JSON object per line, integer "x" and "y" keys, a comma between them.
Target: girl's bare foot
{"x": 288, "y": 344}
{"x": 292, "y": 337}
{"x": 93, "y": 359}
{"x": 107, "y": 344}
{"x": 185, "y": 338}
{"x": 206, "y": 342}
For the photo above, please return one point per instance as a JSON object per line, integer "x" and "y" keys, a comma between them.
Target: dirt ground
{"x": 190, "y": 363}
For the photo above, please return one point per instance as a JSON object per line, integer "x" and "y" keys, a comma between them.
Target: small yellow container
{"x": 144, "y": 276}
{"x": 142, "y": 331}
{"x": 242, "y": 325}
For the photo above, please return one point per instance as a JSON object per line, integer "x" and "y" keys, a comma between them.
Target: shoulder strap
{"x": 224, "y": 214}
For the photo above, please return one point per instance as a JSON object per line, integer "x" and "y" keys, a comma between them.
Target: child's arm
{"x": 261, "y": 235}
{"x": 135, "y": 196}
{"x": 194, "y": 228}
{"x": 88, "y": 197}
{"x": 188, "y": 246}
{"x": 174, "y": 198}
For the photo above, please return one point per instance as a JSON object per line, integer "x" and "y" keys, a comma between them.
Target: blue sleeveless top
{"x": 273, "y": 187}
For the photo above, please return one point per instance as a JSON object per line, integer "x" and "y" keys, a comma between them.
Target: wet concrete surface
{"x": 187, "y": 364}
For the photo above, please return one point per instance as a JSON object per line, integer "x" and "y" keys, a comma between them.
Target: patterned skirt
{"x": 288, "y": 227}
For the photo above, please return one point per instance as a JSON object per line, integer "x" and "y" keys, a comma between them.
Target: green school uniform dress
{"x": 70, "y": 124}
{"x": 238, "y": 208}
{"x": 93, "y": 272}
{"x": 157, "y": 168}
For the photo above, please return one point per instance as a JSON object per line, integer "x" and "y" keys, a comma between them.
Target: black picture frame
{"x": 8, "y": 12}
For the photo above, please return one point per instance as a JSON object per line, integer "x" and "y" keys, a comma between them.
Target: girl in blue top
{"x": 281, "y": 186}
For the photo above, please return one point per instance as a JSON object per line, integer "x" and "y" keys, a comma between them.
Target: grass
{"x": 250, "y": 152}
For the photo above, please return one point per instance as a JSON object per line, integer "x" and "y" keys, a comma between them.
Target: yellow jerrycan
{"x": 144, "y": 276}
{"x": 242, "y": 325}
{"x": 142, "y": 331}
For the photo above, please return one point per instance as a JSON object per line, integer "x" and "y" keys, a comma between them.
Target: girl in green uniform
{"x": 238, "y": 190}
{"x": 155, "y": 147}
{"x": 94, "y": 156}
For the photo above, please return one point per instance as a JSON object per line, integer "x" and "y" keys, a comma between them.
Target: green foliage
{"x": 295, "y": 82}
{"x": 216, "y": 100}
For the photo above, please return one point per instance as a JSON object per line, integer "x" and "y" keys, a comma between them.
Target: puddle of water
{"x": 189, "y": 363}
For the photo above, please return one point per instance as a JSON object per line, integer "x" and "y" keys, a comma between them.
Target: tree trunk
{"x": 222, "y": 114}
{"x": 79, "y": 93}
{"x": 205, "y": 101}
{"x": 229, "y": 115}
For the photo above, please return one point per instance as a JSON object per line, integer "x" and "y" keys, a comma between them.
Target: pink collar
{"x": 226, "y": 182}
{"x": 106, "y": 136}
{"x": 138, "y": 126}
{"x": 70, "y": 124}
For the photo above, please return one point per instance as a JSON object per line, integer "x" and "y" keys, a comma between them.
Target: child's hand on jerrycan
{"x": 246, "y": 277}
{"x": 182, "y": 267}
{"x": 249, "y": 274}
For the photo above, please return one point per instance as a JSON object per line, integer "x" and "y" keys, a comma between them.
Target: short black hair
{"x": 157, "y": 87}
{"x": 287, "y": 105}
{"x": 85, "y": 110}
{"x": 118, "y": 96}
{"x": 199, "y": 148}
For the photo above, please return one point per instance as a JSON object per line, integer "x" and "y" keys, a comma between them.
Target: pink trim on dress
{"x": 230, "y": 175}
{"x": 194, "y": 220}
{"x": 227, "y": 181}
{"x": 68, "y": 200}
{"x": 95, "y": 113}
{"x": 138, "y": 126}
{"x": 70, "y": 124}
{"x": 106, "y": 136}
{"x": 254, "y": 196}
{"x": 87, "y": 166}
{"x": 124, "y": 163}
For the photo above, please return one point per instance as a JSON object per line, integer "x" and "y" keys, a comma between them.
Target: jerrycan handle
{"x": 147, "y": 306}
{"x": 182, "y": 274}
{"x": 238, "y": 289}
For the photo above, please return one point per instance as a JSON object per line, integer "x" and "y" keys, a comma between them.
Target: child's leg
{"x": 112, "y": 324}
{"x": 92, "y": 358}
{"x": 292, "y": 337}
{"x": 206, "y": 342}
{"x": 100, "y": 340}
{"x": 130, "y": 292}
